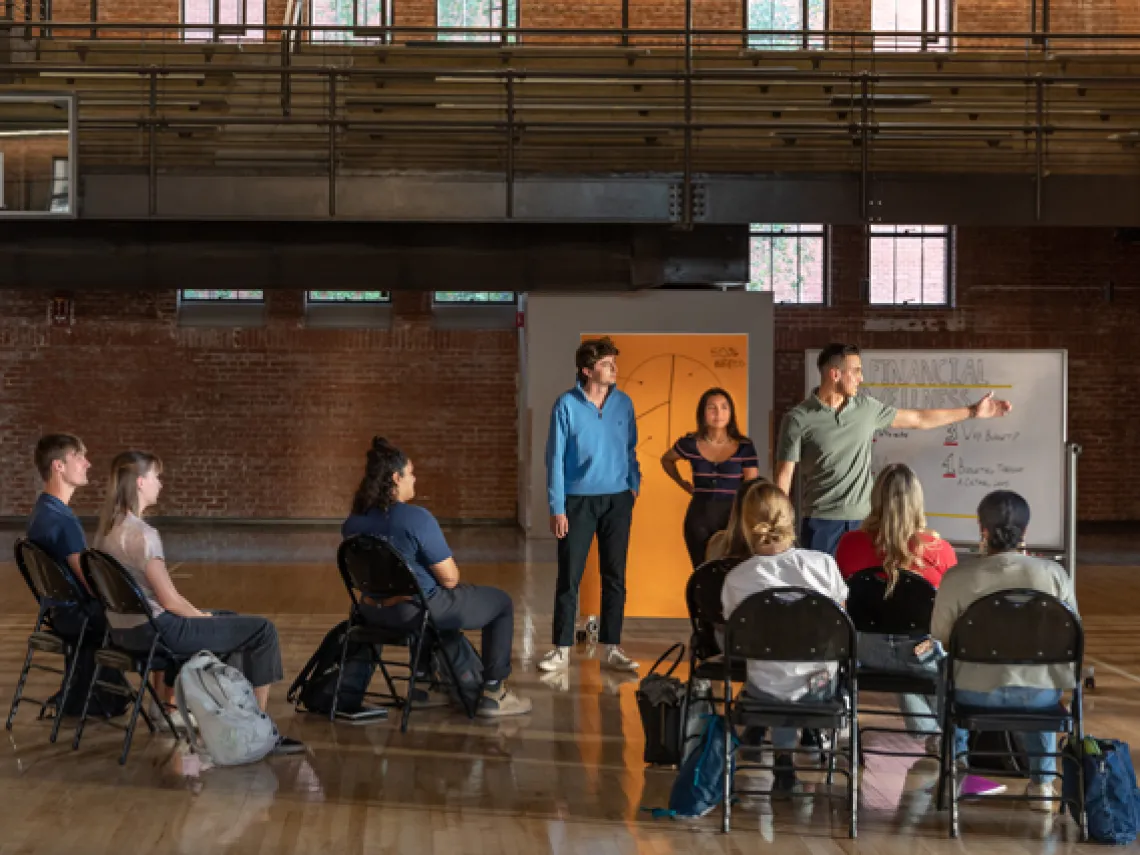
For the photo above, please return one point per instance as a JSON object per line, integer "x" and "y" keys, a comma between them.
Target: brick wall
{"x": 1017, "y": 289}
{"x": 274, "y": 422}
{"x": 270, "y": 422}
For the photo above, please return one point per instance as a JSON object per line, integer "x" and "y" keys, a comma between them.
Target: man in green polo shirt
{"x": 831, "y": 432}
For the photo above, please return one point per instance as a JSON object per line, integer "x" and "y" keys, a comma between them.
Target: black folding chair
{"x": 794, "y": 625}
{"x": 54, "y": 587}
{"x": 706, "y": 616}
{"x": 374, "y": 571}
{"x": 123, "y": 599}
{"x": 904, "y": 616}
{"x": 1020, "y": 626}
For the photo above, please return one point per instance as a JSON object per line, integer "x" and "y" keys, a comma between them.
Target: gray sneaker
{"x": 616, "y": 660}
{"x": 496, "y": 703}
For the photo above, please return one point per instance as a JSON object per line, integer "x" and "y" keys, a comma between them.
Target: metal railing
{"x": 33, "y": 20}
{"x": 1028, "y": 117}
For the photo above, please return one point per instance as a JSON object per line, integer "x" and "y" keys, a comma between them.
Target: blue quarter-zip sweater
{"x": 590, "y": 451}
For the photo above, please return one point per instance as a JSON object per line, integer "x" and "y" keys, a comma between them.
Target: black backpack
{"x": 314, "y": 687}
{"x": 103, "y": 702}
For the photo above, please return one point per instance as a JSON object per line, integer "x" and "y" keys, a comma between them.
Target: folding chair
{"x": 1020, "y": 626}
{"x": 904, "y": 615}
{"x": 123, "y": 602}
{"x": 374, "y": 571}
{"x": 54, "y": 587}
{"x": 706, "y": 616}
{"x": 793, "y": 625}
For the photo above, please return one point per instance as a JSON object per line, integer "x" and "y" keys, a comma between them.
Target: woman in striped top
{"x": 720, "y": 457}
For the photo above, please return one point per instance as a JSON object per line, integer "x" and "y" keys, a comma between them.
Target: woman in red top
{"x": 894, "y": 536}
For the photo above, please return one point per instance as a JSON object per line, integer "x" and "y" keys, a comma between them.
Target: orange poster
{"x": 665, "y": 375}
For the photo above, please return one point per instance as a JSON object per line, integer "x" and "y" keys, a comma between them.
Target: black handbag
{"x": 660, "y": 698}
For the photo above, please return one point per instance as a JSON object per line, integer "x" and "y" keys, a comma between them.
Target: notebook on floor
{"x": 364, "y": 715}
{"x": 974, "y": 785}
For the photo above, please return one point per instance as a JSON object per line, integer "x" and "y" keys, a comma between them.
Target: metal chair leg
{"x": 136, "y": 709}
{"x": 71, "y": 661}
{"x": 340, "y": 672}
{"x": 86, "y": 706}
{"x": 20, "y": 687}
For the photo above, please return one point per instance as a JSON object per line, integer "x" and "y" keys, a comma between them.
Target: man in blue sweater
{"x": 592, "y": 479}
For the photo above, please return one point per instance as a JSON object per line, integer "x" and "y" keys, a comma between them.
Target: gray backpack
{"x": 227, "y": 723}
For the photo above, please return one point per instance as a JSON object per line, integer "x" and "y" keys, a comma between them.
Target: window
{"x": 60, "y": 182}
{"x": 893, "y": 16}
{"x": 189, "y": 295}
{"x": 497, "y": 298}
{"x": 499, "y": 14}
{"x": 348, "y": 13}
{"x": 790, "y": 260}
{"x": 910, "y": 265}
{"x": 348, "y": 297}
{"x": 242, "y": 17}
{"x": 785, "y": 15}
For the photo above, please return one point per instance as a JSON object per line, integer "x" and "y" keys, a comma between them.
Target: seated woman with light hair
{"x": 894, "y": 537}
{"x": 768, "y": 526}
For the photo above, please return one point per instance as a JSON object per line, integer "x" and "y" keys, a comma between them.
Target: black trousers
{"x": 707, "y": 514}
{"x": 608, "y": 517}
{"x": 247, "y": 642}
{"x": 463, "y": 607}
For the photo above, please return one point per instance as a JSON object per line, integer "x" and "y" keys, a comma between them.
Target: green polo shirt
{"x": 834, "y": 450}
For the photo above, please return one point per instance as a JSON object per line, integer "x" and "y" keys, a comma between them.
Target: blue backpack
{"x": 699, "y": 786}
{"x": 1111, "y": 798}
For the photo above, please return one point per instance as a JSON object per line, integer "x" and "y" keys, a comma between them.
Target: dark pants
{"x": 467, "y": 607}
{"x": 707, "y": 514}
{"x": 247, "y": 642}
{"x": 608, "y": 517}
{"x": 824, "y": 535}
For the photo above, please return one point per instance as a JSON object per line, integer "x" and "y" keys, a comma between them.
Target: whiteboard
{"x": 959, "y": 464}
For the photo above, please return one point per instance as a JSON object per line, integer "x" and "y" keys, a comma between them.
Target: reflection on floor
{"x": 566, "y": 779}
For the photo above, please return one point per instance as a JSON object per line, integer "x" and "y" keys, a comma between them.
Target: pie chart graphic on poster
{"x": 666, "y": 390}
{"x": 665, "y": 375}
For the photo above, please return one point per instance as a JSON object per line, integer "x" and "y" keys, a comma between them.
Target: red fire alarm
{"x": 62, "y": 312}
{"x": 520, "y": 320}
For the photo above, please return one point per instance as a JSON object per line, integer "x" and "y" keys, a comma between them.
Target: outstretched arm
{"x": 987, "y": 408}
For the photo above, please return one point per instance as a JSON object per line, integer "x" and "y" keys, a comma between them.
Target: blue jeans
{"x": 895, "y": 654}
{"x": 823, "y": 535}
{"x": 1043, "y": 769}
{"x": 784, "y": 738}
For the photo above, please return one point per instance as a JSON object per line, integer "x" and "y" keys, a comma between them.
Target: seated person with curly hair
{"x": 382, "y": 507}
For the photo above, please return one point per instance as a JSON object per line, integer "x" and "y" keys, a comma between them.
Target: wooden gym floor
{"x": 567, "y": 779}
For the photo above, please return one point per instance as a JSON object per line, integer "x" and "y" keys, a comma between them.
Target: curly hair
{"x": 378, "y": 488}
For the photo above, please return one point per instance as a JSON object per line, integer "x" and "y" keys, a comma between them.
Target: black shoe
{"x": 811, "y": 738}
{"x": 285, "y": 745}
{"x": 784, "y": 776}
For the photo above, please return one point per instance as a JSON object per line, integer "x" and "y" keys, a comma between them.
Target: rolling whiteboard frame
{"x": 1068, "y": 497}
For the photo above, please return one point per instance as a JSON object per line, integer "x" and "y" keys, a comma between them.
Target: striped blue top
{"x": 717, "y": 479}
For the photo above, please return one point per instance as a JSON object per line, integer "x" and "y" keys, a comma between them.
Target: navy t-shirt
{"x": 414, "y": 533}
{"x": 55, "y": 529}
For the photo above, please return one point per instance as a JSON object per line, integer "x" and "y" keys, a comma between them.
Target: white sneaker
{"x": 557, "y": 659}
{"x": 616, "y": 660}
{"x": 933, "y": 745}
{"x": 1040, "y": 791}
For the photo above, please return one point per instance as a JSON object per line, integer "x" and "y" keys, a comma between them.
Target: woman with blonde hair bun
{"x": 768, "y": 526}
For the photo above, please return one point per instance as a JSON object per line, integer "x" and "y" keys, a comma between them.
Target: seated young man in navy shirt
{"x": 381, "y": 507}
{"x": 61, "y": 460}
